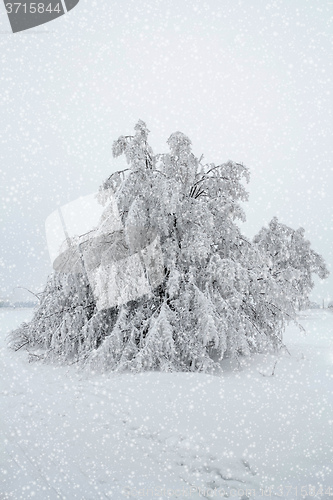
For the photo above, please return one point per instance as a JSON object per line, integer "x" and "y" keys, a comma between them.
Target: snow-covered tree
{"x": 290, "y": 260}
{"x": 216, "y": 296}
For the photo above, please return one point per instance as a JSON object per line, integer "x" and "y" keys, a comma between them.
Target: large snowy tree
{"x": 212, "y": 293}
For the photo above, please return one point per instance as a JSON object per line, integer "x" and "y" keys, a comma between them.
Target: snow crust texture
{"x": 66, "y": 434}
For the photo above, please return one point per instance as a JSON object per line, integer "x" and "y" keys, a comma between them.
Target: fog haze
{"x": 247, "y": 81}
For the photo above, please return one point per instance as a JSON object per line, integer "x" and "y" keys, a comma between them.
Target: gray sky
{"x": 248, "y": 81}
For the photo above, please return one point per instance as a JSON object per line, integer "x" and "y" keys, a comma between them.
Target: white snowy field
{"x": 65, "y": 434}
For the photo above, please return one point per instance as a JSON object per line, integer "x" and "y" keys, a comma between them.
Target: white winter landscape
{"x": 163, "y": 361}
{"x": 244, "y": 433}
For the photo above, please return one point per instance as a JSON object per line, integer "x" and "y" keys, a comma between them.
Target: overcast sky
{"x": 245, "y": 80}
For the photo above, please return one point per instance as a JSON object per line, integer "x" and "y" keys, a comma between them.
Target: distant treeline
{"x": 14, "y": 305}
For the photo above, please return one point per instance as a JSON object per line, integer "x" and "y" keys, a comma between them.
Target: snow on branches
{"x": 208, "y": 293}
{"x": 290, "y": 259}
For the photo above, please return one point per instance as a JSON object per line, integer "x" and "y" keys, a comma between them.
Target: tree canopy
{"x": 203, "y": 291}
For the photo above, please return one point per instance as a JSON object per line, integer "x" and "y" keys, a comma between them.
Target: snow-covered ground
{"x": 65, "y": 434}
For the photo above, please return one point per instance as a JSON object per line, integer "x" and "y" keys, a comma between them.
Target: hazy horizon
{"x": 251, "y": 83}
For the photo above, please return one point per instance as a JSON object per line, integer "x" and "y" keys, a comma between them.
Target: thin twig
{"x": 273, "y": 371}
{"x": 27, "y": 289}
{"x": 158, "y": 171}
{"x": 25, "y": 343}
